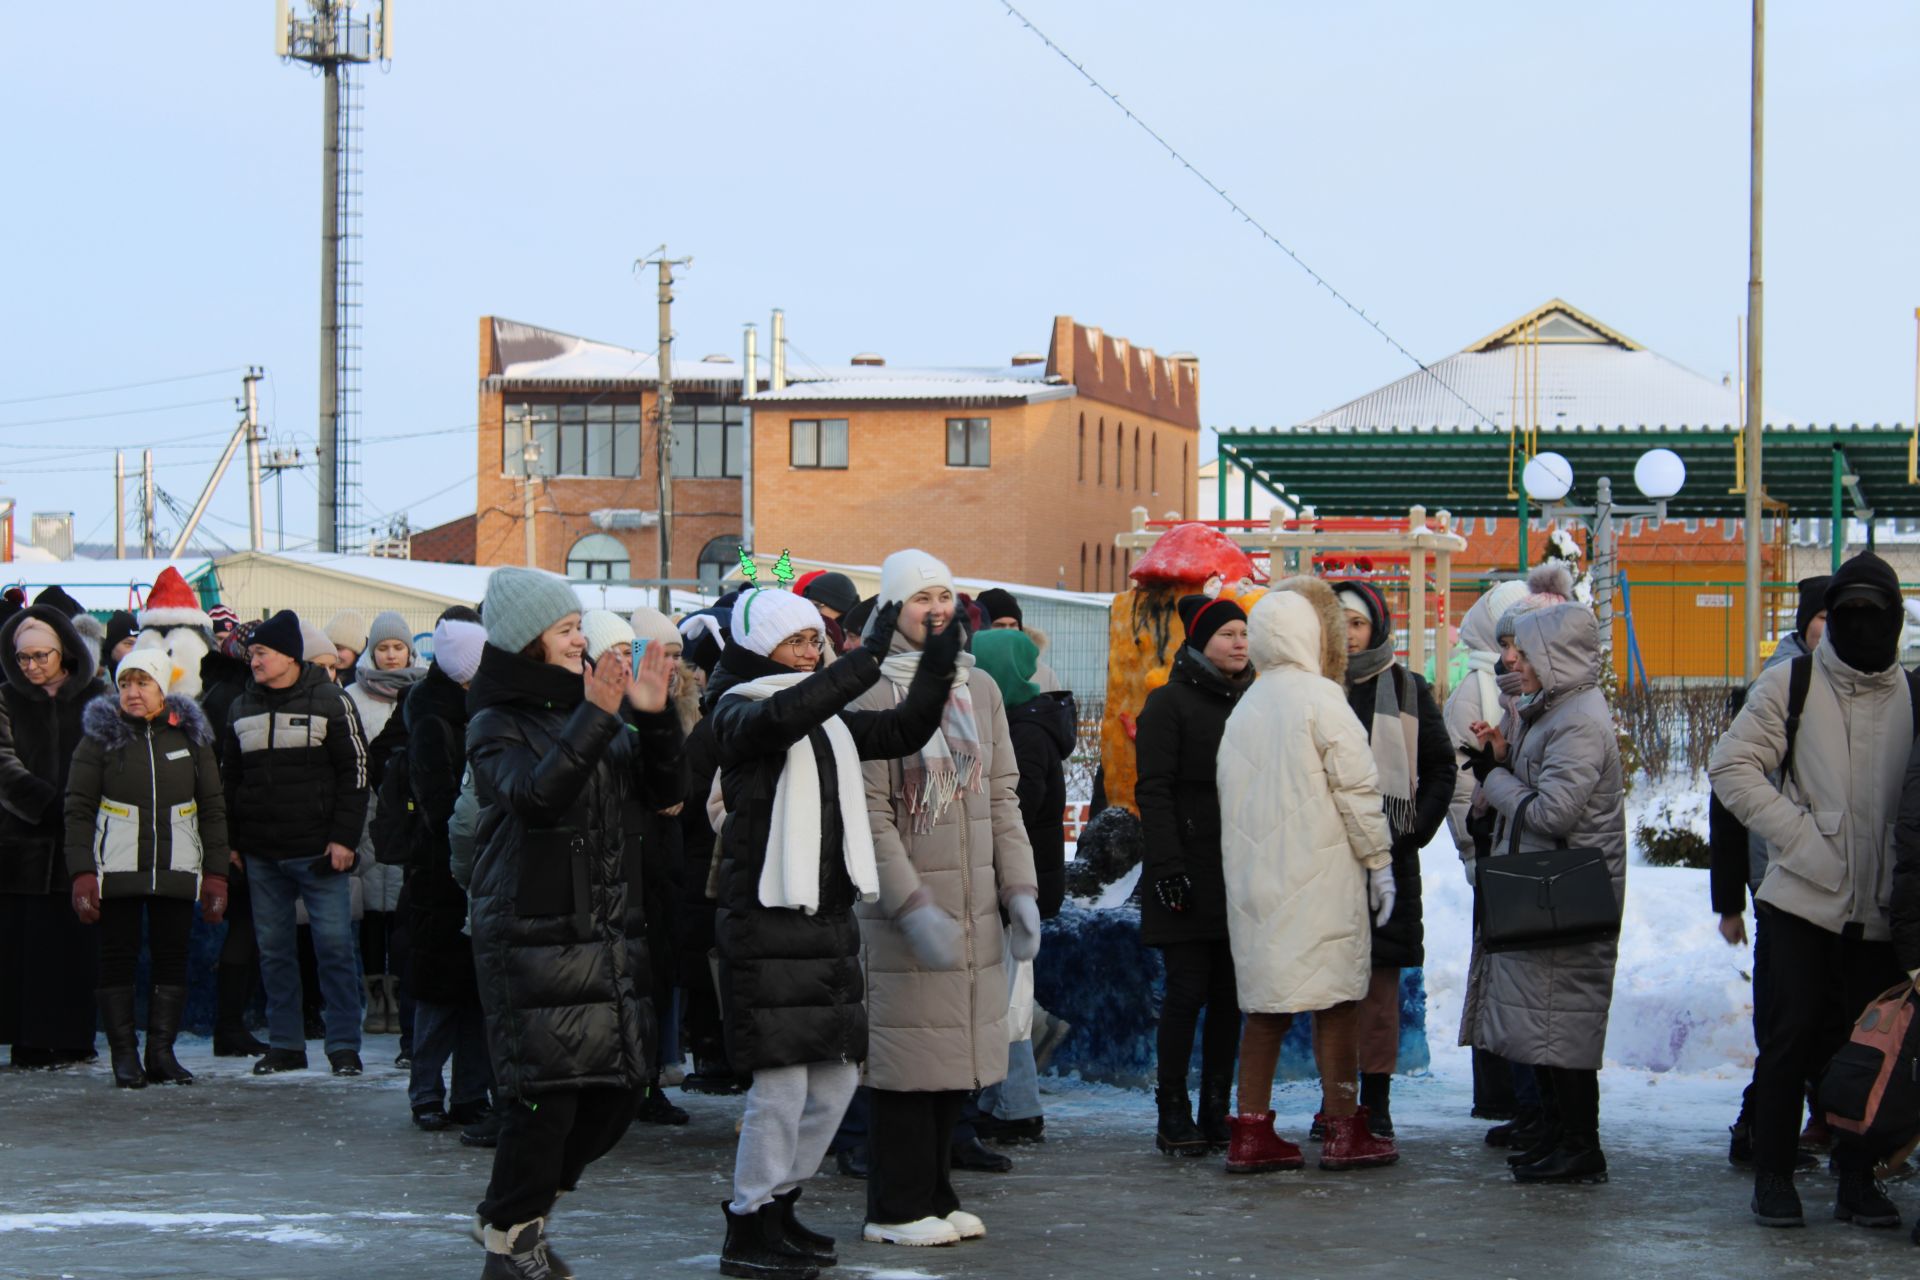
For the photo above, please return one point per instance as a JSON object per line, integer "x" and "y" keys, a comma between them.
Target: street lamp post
{"x": 1659, "y": 475}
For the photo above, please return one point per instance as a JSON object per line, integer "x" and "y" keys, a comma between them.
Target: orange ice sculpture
{"x": 1144, "y": 633}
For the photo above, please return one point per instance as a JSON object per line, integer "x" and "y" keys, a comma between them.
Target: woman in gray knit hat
{"x": 555, "y": 745}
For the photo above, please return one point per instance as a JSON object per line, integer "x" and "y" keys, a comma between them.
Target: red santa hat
{"x": 172, "y": 603}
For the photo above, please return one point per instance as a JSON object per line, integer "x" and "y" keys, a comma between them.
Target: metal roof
{"x": 1384, "y": 471}
{"x": 1024, "y": 382}
{"x": 1587, "y": 373}
{"x": 531, "y": 357}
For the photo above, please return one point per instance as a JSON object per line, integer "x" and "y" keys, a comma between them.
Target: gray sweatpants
{"x": 792, "y": 1114}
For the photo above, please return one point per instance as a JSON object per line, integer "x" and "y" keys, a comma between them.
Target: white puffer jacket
{"x": 1300, "y": 814}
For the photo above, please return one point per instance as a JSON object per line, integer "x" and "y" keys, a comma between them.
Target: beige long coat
{"x": 943, "y": 1029}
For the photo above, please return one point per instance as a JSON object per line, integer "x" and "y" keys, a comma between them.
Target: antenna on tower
{"x": 333, "y": 39}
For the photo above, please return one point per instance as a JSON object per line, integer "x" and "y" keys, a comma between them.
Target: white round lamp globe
{"x": 1660, "y": 473}
{"x": 1548, "y": 477}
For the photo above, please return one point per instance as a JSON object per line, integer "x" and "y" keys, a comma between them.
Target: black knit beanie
{"x": 997, "y": 603}
{"x": 281, "y": 633}
{"x": 1813, "y": 602}
{"x": 1204, "y": 615}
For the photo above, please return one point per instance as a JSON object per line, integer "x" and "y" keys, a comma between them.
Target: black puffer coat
{"x": 790, "y": 983}
{"x": 145, "y": 808}
{"x": 565, "y": 1006}
{"x": 38, "y": 736}
{"x": 435, "y": 716}
{"x": 1043, "y": 731}
{"x": 295, "y": 764}
{"x": 693, "y": 920}
{"x": 1176, "y": 745}
{"x": 1401, "y": 944}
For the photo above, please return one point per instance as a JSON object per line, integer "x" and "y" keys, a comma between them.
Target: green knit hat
{"x": 1011, "y": 658}
{"x": 521, "y": 603}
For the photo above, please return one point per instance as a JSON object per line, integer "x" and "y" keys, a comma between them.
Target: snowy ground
{"x": 306, "y": 1176}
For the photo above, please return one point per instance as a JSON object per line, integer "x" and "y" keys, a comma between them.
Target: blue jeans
{"x": 1018, "y": 1096}
{"x": 442, "y": 1031}
{"x": 275, "y": 886}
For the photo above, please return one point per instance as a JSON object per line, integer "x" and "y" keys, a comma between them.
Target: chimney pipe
{"x": 779, "y": 352}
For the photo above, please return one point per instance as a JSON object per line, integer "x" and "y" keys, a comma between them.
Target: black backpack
{"x": 397, "y": 820}
{"x": 1800, "y": 679}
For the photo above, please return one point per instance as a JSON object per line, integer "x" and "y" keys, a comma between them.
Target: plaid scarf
{"x": 950, "y": 762}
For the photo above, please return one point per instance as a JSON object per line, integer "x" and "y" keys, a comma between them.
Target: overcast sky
{"x": 928, "y": 181}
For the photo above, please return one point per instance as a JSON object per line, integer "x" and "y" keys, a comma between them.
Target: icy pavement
{"x": 310, "y": 1177}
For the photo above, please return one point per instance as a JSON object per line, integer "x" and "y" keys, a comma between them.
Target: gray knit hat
{"x": 388, "y": 625}
{"x": 521, "y": 603}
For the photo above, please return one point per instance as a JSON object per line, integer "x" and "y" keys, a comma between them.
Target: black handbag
{"x": 1545, "y": 897}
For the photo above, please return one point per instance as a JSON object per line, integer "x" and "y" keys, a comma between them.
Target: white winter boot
{"x": 923, "y": 1233}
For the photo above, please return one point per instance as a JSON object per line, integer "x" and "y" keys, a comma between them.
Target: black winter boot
{"x": 656, "y": 1108}
{"x": 164, "y": 1007}
{"x": 1216, "y": 1099}
{"x": 1376, "y": 1095}
{"x": 1539, "y": 1149}
{"x": 1862, "y": 1201}
{"x": 1775, "y": 1202}
{"x": 1576, "y": 1158}
{"x": 518, "y": 1253}
{"x": 231, "y": 1039}
{"x": 1177, "y": 1135}
{"x": 757, "y": 1248}
{"x": 116, "y": 1020}
{"x": 817, "y": 1247}
{"x": 1523, "y": 1131}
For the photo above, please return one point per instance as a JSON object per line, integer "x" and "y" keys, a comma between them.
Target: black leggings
{"x": 1199, "y": 975}
{"x": 1571, "y": 1098}
{"x": 376, "y": 931}
{"x": 169, "y": 921}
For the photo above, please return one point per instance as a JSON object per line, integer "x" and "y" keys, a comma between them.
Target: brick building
{"x": 1022, "y": 473}
{"x": 591, "y": 410}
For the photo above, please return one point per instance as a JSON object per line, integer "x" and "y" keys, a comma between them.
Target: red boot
{"x": 1256, "y": 1148}
{"x": 1351, "y": 1144}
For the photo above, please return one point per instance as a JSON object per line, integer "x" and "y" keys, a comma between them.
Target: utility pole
{"x": 250, "y": 382}
{"x": 663, "y": 436}
{"x": 529, "y": 464}
{"x": 119, "y": 505}
{"x": 1755, "y": 490}
{"x": 146, "y": 502}
{"x": 749, "y": 386}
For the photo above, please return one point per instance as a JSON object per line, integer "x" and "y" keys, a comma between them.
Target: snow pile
{"x": 1673, "y": 801}
{"x": 1682, "y": 998}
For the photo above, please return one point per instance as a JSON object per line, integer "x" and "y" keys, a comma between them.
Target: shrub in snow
{"x": 1672, "y": 847}
{"x": 1111, "y": 845}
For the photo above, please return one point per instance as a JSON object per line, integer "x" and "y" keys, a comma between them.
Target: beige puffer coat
{"x": 944, "y": 1029}
{"x": 1300, "y": 814}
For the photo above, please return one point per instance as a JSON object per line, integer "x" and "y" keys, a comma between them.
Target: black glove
{"x": 1173, "y": 892}
{"x": 942, "y": 649}
{"x": 1480, "y": 761}
{"x": 1480, "y": 829}
{"x": 880, "y": 631}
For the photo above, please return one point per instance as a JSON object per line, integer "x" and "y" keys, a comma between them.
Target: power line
{"x": 124, "y": 386}
{"x": 1235, "y": 205}
{"x": 116, "y": 413}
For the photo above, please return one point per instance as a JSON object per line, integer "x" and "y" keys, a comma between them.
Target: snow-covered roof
{"x": 100, "y": 584}
{"x": 1022, "y": 382}
{"x": 530, "y": 355}
{"x": 1588, "y": 376}
{"x": 464, "y": 583}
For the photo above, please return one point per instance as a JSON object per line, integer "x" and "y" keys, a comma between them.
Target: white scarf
{"x": 790, "y": 872}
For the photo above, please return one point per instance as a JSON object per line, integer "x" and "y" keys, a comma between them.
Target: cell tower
{"x": 332, "y": 40}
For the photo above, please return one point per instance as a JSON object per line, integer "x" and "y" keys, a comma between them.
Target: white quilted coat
{"x": 1301, "y": 822}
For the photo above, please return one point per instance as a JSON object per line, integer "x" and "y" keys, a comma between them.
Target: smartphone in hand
{"x": 639, "y": 649}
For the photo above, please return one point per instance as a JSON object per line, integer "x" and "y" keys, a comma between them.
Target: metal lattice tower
{"x": 332, "y": 40}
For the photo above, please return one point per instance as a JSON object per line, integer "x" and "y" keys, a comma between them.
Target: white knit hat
{"x": 655, "y": 627}
{"x": 1354, "y": 602}
{"x": 763, "y": 618}
{"x": 150, "y": 658}
{"x": 457, "y": 646}
{"x": 905, "y": 573}
{"x": 604, "y": 629}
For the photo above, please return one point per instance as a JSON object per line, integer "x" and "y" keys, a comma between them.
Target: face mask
{"x": 1866, "y": 639}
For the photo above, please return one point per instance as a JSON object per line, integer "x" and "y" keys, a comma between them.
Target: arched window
{"x": 1136, "y": 467}
{"x": 1083, "y": 566}
{"x": 717, "y": 559}
{"x": 1119, "y": 456}
{"x": 1099, "y": 562}
{"x": 1153, "y": 453}
{"x": 1100, "y": 469}
{"x": 599, "y": 557}
{"x": 1081, "y": 451}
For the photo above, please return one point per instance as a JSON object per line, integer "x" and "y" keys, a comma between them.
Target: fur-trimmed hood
{"x": 1333, "y": 622}
{"x": 103, "y": 720}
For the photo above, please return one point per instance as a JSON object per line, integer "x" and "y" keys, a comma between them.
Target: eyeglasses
{"x": 816, "y": 643}
{"x": 38, "y": 657}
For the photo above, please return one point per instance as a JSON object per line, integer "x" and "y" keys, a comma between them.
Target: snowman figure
{"x": 172, "y": 619}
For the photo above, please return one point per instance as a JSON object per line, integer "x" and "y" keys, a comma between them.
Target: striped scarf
{"x": 1395, "y": 756}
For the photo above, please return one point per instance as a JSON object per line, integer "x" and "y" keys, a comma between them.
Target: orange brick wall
{"x": 1022, "y": 519}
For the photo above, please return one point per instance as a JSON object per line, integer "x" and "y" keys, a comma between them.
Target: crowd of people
{"x": 809, "y": 842}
